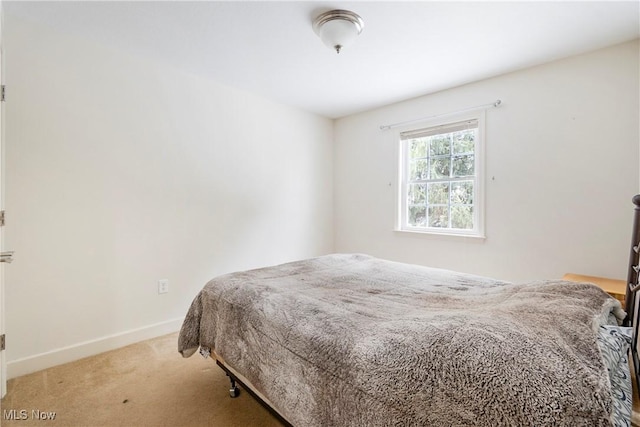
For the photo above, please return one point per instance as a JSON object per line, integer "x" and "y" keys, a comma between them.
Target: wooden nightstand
{"x": 615, "y": 288}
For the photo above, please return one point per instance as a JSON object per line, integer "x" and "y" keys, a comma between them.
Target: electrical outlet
{"x": 163, "y": 286}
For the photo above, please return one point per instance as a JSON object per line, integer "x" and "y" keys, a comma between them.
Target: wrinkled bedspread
{"x": 352, "y": 340}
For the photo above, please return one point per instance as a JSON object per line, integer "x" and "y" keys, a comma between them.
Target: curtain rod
{"x": 421, "y": 119}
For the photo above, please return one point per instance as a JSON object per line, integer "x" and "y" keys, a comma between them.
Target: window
{"x": 440, "y": 180}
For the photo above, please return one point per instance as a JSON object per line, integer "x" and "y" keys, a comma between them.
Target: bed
{"x": 353, "y": 340}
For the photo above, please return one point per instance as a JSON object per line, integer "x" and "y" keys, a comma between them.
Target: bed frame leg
{"x": 234, "y": 391}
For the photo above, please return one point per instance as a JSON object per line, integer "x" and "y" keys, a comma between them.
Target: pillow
{"x": 614, "y": 342}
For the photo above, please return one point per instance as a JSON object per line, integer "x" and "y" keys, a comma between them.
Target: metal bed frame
{"x": 234, "y": 391}
{"x": 631, "y": 303}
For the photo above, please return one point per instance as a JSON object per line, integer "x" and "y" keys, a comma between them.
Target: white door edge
{"x": 3, "y": 361}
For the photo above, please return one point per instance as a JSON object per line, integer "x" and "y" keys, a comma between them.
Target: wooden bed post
{"x": 634, "y": 267}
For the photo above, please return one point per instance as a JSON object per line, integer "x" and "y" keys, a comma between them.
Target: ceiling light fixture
{"x": 338, "y": 28}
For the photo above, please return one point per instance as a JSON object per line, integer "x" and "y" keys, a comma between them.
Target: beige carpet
{"x": 145, "y": 384}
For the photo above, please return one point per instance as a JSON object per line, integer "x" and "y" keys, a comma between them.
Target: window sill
{"x": 441, "y": 235}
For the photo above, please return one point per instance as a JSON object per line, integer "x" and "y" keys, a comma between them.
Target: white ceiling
{"x": 407, "y": 49}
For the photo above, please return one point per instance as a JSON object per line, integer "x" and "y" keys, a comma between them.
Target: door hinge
{"x": 1, "y": 342}
{"x": 2, "y": 218}
{"x": 3, "y": 93}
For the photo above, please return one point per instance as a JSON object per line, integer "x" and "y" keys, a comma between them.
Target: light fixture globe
{"x": 338, "y": 28}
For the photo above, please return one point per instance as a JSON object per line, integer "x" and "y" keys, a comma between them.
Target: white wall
{"x": 121, "y": 172}
{"x": 561, "y": 163}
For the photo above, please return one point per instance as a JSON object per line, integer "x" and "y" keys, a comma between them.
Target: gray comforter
{"x": 351, "y": 340}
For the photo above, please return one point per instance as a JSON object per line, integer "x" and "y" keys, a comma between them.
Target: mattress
{"x": 352, "y": 340}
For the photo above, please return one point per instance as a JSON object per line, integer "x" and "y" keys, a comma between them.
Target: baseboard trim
{"x": 27, "y": 365}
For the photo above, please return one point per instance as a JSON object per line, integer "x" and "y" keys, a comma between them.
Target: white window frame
{"x": 479, "y": 182}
